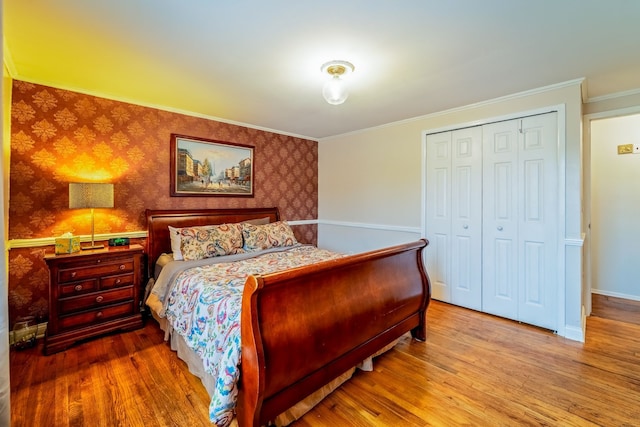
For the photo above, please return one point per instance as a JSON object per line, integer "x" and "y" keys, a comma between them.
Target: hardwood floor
{"x": 615, "y": 308}
{"x": 474, "y": 369}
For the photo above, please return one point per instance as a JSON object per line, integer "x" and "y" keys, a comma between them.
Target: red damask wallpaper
{"x": 59, "y": 136}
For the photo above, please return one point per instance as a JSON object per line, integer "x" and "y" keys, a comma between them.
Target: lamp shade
{"x": 90, "y": 195}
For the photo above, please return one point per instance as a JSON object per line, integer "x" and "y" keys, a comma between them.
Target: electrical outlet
{"x": 636, "y": 148}
{"x": 625, "y": 149}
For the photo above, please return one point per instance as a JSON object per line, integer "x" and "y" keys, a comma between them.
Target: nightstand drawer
{"x": 87, "y": 318}
{"x": 97, "y": 299}
{"x": 96, "y": 270}
{"x": 78, "y": 288}
{"x": 116, "y": 281}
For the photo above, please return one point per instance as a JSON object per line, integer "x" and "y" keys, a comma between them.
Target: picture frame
{"x": 208, "y": 167}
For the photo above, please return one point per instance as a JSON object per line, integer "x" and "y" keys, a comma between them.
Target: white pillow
{"x": 174, "y": 234}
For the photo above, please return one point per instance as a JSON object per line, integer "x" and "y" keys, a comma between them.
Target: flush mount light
{"x": 335, "y": 89}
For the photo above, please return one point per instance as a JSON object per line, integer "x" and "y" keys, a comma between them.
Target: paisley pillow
{"x": 210, "y": 241}
{"x": 273, "y": 235}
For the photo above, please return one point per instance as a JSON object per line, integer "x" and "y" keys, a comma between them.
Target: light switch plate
{"x": 625, "y": 149}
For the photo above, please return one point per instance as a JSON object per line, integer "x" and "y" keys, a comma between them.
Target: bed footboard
{"x": 303, "y": 327}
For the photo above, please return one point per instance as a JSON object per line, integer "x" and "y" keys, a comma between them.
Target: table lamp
{"x": 91, "y": 195}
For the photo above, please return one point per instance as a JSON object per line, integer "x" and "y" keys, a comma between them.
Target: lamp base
{"x": 87, "y": 248}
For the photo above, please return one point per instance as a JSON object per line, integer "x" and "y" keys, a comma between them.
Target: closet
{"x": 492, "y": 218}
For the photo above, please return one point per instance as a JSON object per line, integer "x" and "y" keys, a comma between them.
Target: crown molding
{"x": 613, "y": 96}
{"x": 517, "y": 95}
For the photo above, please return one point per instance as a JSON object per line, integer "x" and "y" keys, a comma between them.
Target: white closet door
{"x": 438, "y": 211}
{"x": 538, "y": 224}
{"x": 520, "y": 211}
{"x": 466, "y": 218}
{"x": 500, "y": 221}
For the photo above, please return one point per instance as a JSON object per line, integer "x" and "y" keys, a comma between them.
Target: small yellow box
{"x": 67, "y": 245}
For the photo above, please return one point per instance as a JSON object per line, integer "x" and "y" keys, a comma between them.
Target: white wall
{"x": 355, "y": 238}
{"x": 615, "y": 207}
{"x": 372, "y": 179}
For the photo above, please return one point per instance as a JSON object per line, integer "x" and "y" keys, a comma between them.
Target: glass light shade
{"x": 335, "y": 91}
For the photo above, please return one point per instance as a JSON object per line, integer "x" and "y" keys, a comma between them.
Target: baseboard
{"x": 574, "y": 333}
{"x": 615, "y": 294}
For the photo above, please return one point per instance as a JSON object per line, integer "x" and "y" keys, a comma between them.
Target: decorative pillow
{"x": 210, "y": 241}
{"x": 273, "y": 235}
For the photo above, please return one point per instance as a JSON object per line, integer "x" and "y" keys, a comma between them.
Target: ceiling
{"x": 258, "y": 62}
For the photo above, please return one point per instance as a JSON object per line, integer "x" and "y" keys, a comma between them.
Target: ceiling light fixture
{"x": 335, "y": 90}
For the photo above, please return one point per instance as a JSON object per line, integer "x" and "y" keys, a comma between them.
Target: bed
{"x": 302, "y": 330}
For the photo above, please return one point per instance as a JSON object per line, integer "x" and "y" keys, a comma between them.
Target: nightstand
{"x": 92, "y": 292}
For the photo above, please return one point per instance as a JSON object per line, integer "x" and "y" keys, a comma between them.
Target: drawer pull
{"x": 73, "y": 274}
{"x": 99, "y": 298}
{"x": 98, "y": 314}
{"x": 78, "y": 288}
{"x": 118, "y": 281}
{"x": 122, "y": 267}
{"x": 98, "y": 261}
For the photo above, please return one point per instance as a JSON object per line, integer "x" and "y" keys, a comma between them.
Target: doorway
{"x": 613, "y": 204}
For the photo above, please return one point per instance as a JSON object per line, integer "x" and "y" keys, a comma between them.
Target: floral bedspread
{"x": 204, "y": 305}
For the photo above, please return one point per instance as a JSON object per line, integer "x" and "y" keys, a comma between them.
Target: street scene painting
{"x": 205, "y": 167}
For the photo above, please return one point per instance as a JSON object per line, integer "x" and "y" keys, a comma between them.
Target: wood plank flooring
{"x": 474, "y": 369}
{"x": 614, "y": 308}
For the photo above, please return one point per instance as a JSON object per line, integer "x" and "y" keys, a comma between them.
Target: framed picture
{"x": 205, "y": 167}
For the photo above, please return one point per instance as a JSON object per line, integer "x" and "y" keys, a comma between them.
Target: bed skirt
{"x": 194, "y": 363}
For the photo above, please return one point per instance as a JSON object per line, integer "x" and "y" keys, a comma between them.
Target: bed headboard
{"x": 158, "y": 221}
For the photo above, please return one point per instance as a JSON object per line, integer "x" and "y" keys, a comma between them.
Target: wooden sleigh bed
{"x": 301, "y": 328}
